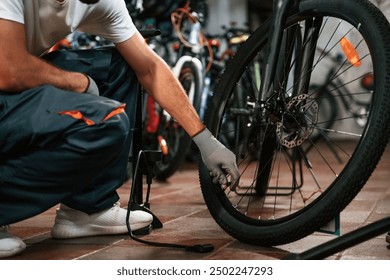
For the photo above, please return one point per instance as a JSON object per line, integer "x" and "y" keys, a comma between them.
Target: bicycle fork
{"x": 275, "y": 40}
{"x": 280, "y": 8}
{"x": 276, "y": 73}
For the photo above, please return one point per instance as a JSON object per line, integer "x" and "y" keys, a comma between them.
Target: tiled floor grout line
{"x": 98, "y": 250}
{"x": 29, "y": 239}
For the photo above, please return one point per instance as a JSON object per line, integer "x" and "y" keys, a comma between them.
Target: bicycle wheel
{"x": 171, "y": 138}
{"x": 287, "y": 190}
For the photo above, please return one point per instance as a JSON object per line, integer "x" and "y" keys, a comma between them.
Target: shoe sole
{"x": 388, "y": 238}
{"x": 10, "y": 253}
{"x": 66, "y": 232}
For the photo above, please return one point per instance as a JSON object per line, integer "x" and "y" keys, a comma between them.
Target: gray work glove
{"x": 92, "y": 87}
{"x": 219, "y": 160}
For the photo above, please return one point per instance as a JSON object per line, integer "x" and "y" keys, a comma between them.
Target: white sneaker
{"x": 71, "y": 223}
{"x": 9, "y": 245}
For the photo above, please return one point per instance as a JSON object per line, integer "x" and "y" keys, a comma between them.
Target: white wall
{"x": 222, "y": 12}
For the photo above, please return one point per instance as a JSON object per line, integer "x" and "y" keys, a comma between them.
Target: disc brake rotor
{"x": 298, "y": 121}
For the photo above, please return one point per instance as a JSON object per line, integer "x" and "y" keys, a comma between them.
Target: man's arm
{"x": 20, "y": 70}
{"x": 157, "y": 79}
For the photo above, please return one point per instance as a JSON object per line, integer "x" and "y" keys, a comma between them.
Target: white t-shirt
{"x": 48, "y": 21}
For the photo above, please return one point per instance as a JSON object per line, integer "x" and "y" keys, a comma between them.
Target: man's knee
{"x": 110, "y": 135}
{"x": 115, "y": 128}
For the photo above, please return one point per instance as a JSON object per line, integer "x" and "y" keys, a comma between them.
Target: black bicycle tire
{"x": 365, "y": 158}
{"x": 164, "y": 171}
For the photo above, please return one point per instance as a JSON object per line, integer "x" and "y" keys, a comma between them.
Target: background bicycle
{"x": 182, "y": 45}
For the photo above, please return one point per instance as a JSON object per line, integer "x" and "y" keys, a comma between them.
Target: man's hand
{"x": 219, "y": 160}
{"x": 92, "y": 87}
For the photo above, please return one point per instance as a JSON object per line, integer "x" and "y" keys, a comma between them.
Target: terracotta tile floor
{"x": 179, "y": 205}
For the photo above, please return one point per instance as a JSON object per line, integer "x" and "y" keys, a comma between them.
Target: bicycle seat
{"x": 149, "y": 33}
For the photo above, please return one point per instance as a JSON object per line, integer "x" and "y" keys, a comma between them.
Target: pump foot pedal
{"x": 143, "y": 231}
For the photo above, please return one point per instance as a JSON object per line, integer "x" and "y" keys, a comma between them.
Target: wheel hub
{"x": 298, "y": 121}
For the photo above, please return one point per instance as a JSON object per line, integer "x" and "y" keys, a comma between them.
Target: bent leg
{"x": 47, "y": 156}
{"x": 116, "y": 81}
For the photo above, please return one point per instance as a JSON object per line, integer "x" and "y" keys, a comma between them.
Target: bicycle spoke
{"x": 303, "y": 122}
{"x": 302, "y": 149}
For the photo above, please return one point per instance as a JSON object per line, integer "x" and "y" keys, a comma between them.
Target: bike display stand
{"x": 343, "y": 242}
